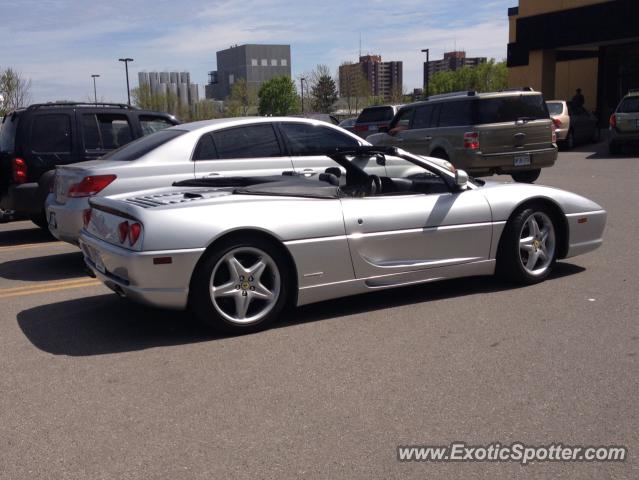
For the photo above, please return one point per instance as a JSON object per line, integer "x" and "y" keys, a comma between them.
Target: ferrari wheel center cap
{"x": 245, "y": 285}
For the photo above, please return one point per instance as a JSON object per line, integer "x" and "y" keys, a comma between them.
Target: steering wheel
{"x": 373, "y": 186}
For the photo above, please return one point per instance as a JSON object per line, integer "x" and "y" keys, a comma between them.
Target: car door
{"x": 307, "y": 142}
{"x": 240, "y": 151}
{"x": 417, "y": 137}
{"x": 51, "y": 142}
{"x": 416, "y": 232}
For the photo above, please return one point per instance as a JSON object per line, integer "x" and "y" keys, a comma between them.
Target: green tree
{"x": 486, "y": 77}
{"x": 277, "y": 96}
{"x": 324, "y": 94}
{"x": 242, "y": 99}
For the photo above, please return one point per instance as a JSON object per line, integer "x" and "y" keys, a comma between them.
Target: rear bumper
{"x": 67, "y": 223}
{"x": 132, "y": 274}
{"x": 585, "y": 231}
{"x": 24, "y": 198}
{"x": 621, "y": 138}
{"x": 562, "y": 134}
{"x": 485, "y": 164}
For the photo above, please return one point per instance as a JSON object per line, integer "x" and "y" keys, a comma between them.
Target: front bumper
{"x": 134, "y": 275}
{"x": 65, "y": 220}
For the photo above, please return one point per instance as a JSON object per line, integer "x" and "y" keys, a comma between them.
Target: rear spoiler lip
{"x": 112, "y": 208}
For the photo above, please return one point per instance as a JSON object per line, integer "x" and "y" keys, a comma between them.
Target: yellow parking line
{"x": 30, "y": 245}
{"x": 48, "y": 287}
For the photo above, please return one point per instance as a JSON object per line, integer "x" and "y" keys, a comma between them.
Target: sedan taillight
{"x": 90, "y": 185}
{"x": 130, "y": 231}
{"x": 613, "y": 120}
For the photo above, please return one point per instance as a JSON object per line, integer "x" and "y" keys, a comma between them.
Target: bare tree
{"x": 353, "y": 86}
{"x": 15, "y": 90}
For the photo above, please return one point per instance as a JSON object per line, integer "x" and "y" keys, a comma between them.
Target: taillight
{"x": 90, "y": 185}
{"x": 471, "y": 140}
{"x": 613, "y": 120}
{"x": 553, "y": 137}
{"x": 361, "y": 128}
{"x": 123, "y": 231}
{"x": 134, "y": 233}
{"x": 86, "y": 217}
{"x": 557, "y": 122}
{"x": 19, "y": 168}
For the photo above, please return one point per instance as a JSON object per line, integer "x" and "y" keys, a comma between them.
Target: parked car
{"x": 222, "y": 147}
{"x": 324, "y": 117}
{"x": 238, "y": 250}
{"x": 507, "y": 132}
{"x": 348, "y": 124}
{"x": 36, "y": 139}
{"x": 372, "y": 119}
{"x": 624, "y": 123}
{"x": 573, "y": 124}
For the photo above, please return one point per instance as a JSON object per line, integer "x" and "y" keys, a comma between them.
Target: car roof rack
{"x": 36, "y": 106}
{"x": 462, "y": 93}
{"x": 518, "y": 89}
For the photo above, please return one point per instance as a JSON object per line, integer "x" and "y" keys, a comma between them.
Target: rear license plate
{"x": 372, "y": 128}
{"x": 94, "y": 256}
{"x": 522, "y": 160}
{"x": 99, "y": 264}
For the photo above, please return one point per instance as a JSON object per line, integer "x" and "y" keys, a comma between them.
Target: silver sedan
{"x": 239, "y": 250}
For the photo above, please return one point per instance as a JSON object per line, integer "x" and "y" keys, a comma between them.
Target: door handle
{"x": 308, "y": 172}
{"x": 213, "y": 174}
{"x": 428, "y": 139}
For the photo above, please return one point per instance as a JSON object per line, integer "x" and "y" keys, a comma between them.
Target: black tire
{"x": 40, "y": 219}
{"x": 614, "y": 148}
{"x": 527, "y": 176}
{"x": 510, "y": 265}
{"x": 441, "y": 154}
{"x": 200, "y": 298}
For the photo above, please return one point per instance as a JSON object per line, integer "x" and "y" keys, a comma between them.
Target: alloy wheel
{"x": 537, "y": 243}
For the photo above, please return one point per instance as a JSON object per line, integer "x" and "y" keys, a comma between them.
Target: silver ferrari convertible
{"x": 238, "y": 250}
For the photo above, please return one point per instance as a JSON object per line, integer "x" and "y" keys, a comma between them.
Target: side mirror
{"x": 461, "y": 179}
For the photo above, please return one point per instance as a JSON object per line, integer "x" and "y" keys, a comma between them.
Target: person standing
{"x": 578, "y": 100}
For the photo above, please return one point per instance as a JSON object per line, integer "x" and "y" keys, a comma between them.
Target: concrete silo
{"x": 184, "y": 94}
{"x": 185, "y": 77}
{"x": 194, "y": 94}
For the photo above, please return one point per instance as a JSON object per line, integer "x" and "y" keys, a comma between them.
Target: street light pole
{"x": 126, "y": 67}
{"x": 302, "y": 92}
{"x": 95, "y": 92}
{"x": 426, "y": 72}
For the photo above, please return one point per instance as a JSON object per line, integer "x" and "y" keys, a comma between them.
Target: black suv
{"x": 35, "y": 139}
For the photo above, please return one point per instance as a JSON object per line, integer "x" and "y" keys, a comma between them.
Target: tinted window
{"x": 151, "y": 124}
{"x": 423, "y": 117}
{"x": 142, "y": 146}
{"x": 402, "y": 119}
{"x": 375, "y": 114}
{"x": 247, "y": 142}
{"x": 629, "y": 105}
{"x": 555, "y": 108}
{"x": 205, "y": 149}
{"x": 105, "y": 131}
{"x": 51, "y": 133}
{"x": 8, "y": 133}
{"x": 454, "y": 114}
{"x": 305, "y": 139}
{"x": 511, "y": 109}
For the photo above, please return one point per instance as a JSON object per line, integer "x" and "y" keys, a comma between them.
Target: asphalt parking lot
{"x": 96, "y": 387}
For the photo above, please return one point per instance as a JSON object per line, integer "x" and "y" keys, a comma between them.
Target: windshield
{"x": 8, "y": 133}
{"x": 142, "y": 146}
{"x": 375, "y": 114}
{"x": 511, "y": 109}
{"x": 555, "y": 108}
{"x": 629, "y": 105}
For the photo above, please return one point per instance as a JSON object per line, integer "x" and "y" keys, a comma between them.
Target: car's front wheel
{"x": 528, "y": 247}
{"x": 528, "y": 176}
{"x": 241, "y": 286}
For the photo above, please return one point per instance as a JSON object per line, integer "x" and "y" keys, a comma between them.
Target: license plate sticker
{"x": 522, "y": 159}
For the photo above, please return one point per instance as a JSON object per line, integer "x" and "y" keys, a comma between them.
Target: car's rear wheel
{"x": 528, "y": 247}
{"x": 527, "y": 176}
{"x": 241, "y": 286}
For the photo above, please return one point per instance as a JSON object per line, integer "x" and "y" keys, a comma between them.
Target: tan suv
{"x": 624, "y": 123}
{"x": 507, "y": 132}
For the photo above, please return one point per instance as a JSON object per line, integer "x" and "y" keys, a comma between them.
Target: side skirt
{"x": 328, "y": 291}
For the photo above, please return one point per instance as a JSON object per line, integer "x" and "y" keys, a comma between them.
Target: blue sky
{"x": 59, "y": 44}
